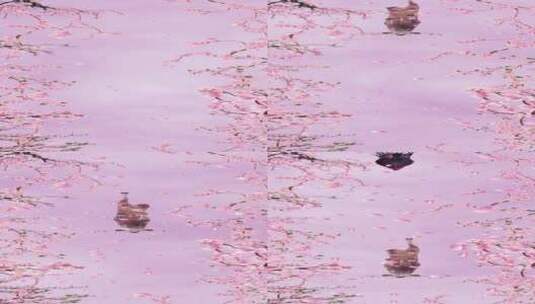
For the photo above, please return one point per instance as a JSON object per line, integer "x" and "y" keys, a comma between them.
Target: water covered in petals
{"x": 274, "y": 152}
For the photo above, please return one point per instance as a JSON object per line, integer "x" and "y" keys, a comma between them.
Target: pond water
{"x": 279, "y": 152}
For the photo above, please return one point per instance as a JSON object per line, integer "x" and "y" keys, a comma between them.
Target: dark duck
{"x": 133, "y": 217}
{"x": 403, "y": 262}
{"x": 394, "y": 160}
{"x": 402, "y": 20}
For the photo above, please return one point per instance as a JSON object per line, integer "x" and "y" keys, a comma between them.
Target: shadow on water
{"x": 403, "y": 20}
{"x": 402, "y": 263}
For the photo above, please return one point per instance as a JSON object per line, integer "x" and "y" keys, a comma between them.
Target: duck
{"x": 403, "y": 262}
{"x": 394, "y": 160}
{"x": 134, "y": 217}
{"x": 403, "y": 20}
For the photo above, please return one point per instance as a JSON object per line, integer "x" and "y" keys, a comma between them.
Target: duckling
{"x": 402, "y": 20}
{"x": 403, "y": 262}
{"x": 395, "y": 160}
{"x": 133, "y": 217}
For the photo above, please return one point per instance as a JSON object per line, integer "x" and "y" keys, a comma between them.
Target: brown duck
{"x": 403, "y": 262}
{"x": 402, "y": 20}
{"x": 130, "y": 216}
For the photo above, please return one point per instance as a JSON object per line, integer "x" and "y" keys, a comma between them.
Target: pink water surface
{"x": 252, "y": 133}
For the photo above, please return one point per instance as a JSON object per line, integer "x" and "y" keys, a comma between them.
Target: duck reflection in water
{"x": 402, "y": 263}
{"x": 394, "y": 161}
{"x": 132, "y": 217}
{"x": 402, "y": 20}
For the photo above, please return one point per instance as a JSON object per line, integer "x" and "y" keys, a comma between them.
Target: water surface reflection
{"x": 299, "y": 185}
{"x": 36, "y": 157}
